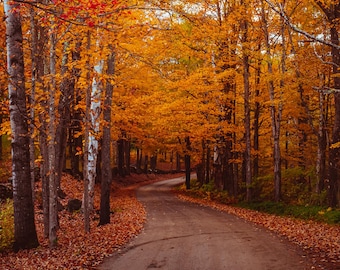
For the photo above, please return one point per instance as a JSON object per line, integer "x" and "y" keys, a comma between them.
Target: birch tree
{"x": 25, "y": 235}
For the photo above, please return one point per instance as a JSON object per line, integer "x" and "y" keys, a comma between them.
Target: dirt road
{"x": 183, "y": 236}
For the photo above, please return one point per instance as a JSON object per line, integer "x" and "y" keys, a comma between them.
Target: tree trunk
{"x": 106, "y": 147}
{"x": 53, "y": 211}
{"x": 208, "y": 159}
{"x": 334, "y": 152}
{"x": 93, "y": 141}
{"x": 25, "y": 235}
{"x": 256, "y": 118}
{"x": 275, "y": 114}
{"x": 75, "y": 139}
{"x": 1, "y": 151}
{"x": 247, "y": 153}
{"x": 127, "y": 157}
{"x": 31, "y": 98}
{"x": 178, "y": 162}
{"x": 146, "y": 164}
{"x": 322, "y": 145}
{"x": 121, "y": 159}
{"x": 85, "y": 204}
{"x": 64, "y": 117}
{"x": 139, "y": 160}
{"x": 187, "y": 163}
{"x": 332, "y": 13}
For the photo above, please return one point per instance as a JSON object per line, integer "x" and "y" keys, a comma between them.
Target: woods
{"x": 244, "y": 92}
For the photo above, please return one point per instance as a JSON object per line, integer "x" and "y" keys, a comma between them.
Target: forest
{"x": 246, "y": 93}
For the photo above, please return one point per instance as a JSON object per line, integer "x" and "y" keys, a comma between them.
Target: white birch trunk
{"x": 96, "y": 94}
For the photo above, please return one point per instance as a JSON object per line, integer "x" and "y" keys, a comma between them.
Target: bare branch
{"x": 326, "y": 90}
{"x": 279, "y": 10}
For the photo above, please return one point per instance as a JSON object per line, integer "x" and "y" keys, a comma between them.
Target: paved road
{"x": 183, "y": 236}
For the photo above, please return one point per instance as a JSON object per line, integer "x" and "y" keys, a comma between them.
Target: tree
{"x": 24, "y": 227}
{"x": 106, "y": 176}
{"x": 332, "y": 12}
{"x": 275, "y": 111}
{"x": 245, "y": 63}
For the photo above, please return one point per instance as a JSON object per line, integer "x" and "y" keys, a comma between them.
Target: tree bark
{"x": 275, "y": 114}
{"x": 64, "y": 117}
{"x": 247, "y": 153}
{"x": 85, "y": 204}
{"x": 25, "y": 235}
{"x": 93, "y": 140}
{"x": 106, "y": 147}
{"x": 256, "y": 118}
{"x": 332, "y": 12}
{"x": 187, "y": 159}
{"x": 53, "y": 210}
{"x": 121, "y": 156}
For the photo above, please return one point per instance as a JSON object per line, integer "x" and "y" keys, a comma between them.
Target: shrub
{"x": 6, "y": 225}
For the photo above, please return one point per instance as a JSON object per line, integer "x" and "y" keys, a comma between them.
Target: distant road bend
{"x": 183, "y": 236}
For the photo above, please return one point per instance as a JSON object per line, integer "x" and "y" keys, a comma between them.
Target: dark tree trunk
{"x": 127, "y": 149}
{"x": 25, "y": 235}
{"x": 334, "y": 152}
{"x": 1, "y": 151}
{"x": 187, "y": 159}
{"x": 146, "y": 164}
{"x": 75, "y": 139}
{"x": 121, "y": 159}
{"x": 256, "y": 119}
{"x": 178, "y": 162}
{"x": 153, "y": 162}
{"x": 64, "y": 112}
{"x": 332, "y": 13}
{"x": 208, "y": 162}
{"x": 106, "y": 149}
{"x": 139, "y": 160}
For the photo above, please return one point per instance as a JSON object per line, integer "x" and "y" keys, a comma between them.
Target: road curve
{"x": 183, "y": 236}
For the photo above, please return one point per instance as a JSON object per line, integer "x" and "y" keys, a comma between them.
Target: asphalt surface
{"x": 183, "y": 236}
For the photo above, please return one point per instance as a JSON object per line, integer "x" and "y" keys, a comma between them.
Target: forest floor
{"x": 79, "y": 250}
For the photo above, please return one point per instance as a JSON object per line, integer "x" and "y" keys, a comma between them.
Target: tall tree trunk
{"x": 96, "y": 93}
{"x": 106, "y": 147}
{"x": 85, "y": 204}
{"x": 257, "y": 119}
{"x": 76, "y": 115}
{"x": 275, "y": 113}
{"x": 31, "y": 98}
{"x": 53, "y": 211}
{"x": 247, "y": 153}
{"x": 322, "y": 145}
{"x": 25, "y": 235}
{"x": 334, "y": 152}
{"x": 332, "y": 12}
{"x": 64, "y": 117}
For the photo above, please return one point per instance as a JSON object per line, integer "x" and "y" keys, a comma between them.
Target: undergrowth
{"x": 6, "y": 225}
{"x": 306, "y": 212}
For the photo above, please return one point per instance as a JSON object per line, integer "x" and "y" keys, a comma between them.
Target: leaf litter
{"x": 79, "y": 250}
